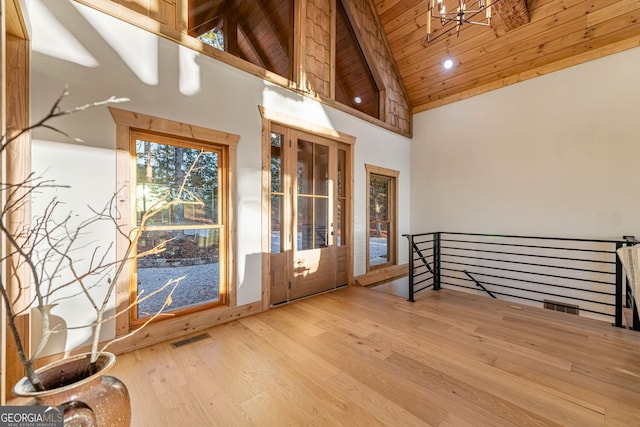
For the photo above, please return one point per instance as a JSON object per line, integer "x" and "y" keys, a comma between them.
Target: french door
{"x": 309, "y": 193}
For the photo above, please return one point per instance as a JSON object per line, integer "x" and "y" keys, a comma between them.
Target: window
{"x": 259, "y": 32}
{"x": 381, "y": 217}
{"x": 196, "y": 166}
{"x": 193, "y": 230}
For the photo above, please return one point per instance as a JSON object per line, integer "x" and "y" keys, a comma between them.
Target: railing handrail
{"x": 459, "y": 233}
{"x": 435, "y": 256}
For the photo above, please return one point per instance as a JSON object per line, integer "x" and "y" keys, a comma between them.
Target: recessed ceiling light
{"x": 448, "y": 64}
{"x": 357, "y": 100}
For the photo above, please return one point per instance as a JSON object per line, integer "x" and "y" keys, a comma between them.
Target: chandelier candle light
{"x": 465, "y": 14}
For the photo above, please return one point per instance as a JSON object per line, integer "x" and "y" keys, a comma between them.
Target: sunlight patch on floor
{"x": 398, "y": 287}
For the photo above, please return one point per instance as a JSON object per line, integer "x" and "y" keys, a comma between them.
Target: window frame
{"x": 128, "y": 123}
{"x": 392, "y": 210}
{"x": 166, "y": 140}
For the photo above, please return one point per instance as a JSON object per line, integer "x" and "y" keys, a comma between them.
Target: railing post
{"x": 410, "y": 238}
{"x": 619, "y": 287}
{"x": 436, "y": 261}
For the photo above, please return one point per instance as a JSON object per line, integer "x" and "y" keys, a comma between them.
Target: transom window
{"x": 260, "y": 32}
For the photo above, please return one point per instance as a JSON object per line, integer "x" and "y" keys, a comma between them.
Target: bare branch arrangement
{"x": 59, "y": 263}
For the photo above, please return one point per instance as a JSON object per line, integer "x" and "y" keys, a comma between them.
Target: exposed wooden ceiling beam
{"x": 205, "y": 15}
{"x": 253, "y": 45}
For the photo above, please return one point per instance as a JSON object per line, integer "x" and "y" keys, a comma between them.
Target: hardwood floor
{"x": 360, "y": 357}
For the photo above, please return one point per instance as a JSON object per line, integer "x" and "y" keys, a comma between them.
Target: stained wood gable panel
{"x": 353, "y": 74}
{"x": 373, "y": 40}
{"x": 560, "y": 33}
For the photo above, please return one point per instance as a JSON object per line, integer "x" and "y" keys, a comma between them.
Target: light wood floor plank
{"x": 359, "y": 357}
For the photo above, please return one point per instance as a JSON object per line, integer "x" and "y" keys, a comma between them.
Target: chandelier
{"x": 474, "y": 12}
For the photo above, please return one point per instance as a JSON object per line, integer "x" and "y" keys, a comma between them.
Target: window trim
{"x": 222, "y": 151}
{"x": 393, "y": 215}
{"x": 128, "y": 121}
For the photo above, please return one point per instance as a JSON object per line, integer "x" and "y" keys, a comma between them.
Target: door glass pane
{"x": 276, "y": 223}
{"x": 305, "y": 223}
{"x": 192, "y": 253}
{"x": 321, "y": 170}
{"x": 276, "y": 162}
{"x": 305, "y": 167}
{"x": 160, "y": 172}
{"x": 321, "y": 221}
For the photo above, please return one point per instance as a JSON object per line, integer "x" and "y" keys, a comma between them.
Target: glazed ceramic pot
{"x": 88, "y": 400}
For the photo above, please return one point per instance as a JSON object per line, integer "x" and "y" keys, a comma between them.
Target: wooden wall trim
{"x": 304, "y": 125}
{"x": 17, "y": 23}
{"x": 156, "y": 124}
{"x": 18, "y": 168}
{"x": 266, "y": 212}
{"x": 3, "y": 163}
{"x": 15, "y": 166}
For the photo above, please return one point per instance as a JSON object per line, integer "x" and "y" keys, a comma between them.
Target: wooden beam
{"x": 254, "y": 47}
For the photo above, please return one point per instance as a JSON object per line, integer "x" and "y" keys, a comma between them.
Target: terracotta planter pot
{"x": 94, "y": 400}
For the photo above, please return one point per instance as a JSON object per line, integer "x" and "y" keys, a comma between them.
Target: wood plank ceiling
{"x": 560, "y": 33}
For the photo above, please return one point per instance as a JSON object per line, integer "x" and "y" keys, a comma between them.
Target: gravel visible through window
{"x": 200, "y": 285}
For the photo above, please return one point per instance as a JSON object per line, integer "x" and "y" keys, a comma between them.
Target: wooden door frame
{"x": 270, "y": 117}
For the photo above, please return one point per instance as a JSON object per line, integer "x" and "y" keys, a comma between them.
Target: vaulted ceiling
{"x": 560, "y": 33}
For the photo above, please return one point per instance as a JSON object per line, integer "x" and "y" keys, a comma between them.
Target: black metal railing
{"x": 581, "y": 276}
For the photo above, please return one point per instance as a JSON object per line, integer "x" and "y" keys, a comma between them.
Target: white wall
{"x": 98, "y": 56}
{"x": 553, "y": 156}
